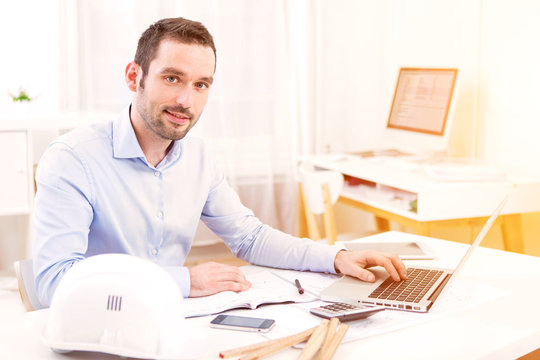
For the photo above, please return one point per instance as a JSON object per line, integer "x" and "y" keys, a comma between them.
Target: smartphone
{"x": 242, "y": 323}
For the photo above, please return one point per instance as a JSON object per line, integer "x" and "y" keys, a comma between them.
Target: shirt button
{"x": 160, "y": 214}
{"x": 157, "y": 173}
{"x": 154, "y": 252}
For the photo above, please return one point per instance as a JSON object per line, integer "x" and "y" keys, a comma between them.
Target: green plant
{"x": 413, "y": 206}
{"x": 21, "y": 96}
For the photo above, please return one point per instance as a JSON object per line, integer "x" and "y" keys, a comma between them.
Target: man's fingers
{"x": 231, "y": 281}
{"x": 354, "y": 263}
{"x": 365, "y": 275}
{"x": 399, "y": 265}
{"x": 385, "y": 261}
{"x": 227, "y": 274}
{"x": 222, "y": 272}
{"x": 232, "y": 286}
{"x": 237, "y": 278}
{"x": 391, "y": 262}
{"x": 210, "y": 278}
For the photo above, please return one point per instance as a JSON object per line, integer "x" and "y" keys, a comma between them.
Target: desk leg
{"x": 512, "y": 233}
{"x": 382, "y": 224}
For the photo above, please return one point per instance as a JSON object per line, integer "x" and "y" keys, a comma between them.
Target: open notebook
{"x": 266, "y": 289}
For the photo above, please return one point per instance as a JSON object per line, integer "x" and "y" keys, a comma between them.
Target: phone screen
{"x": 242, "y": 322}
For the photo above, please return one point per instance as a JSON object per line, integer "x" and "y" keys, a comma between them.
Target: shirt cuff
{"x": 325, "y": 256}
{"x": 182, "y": 278}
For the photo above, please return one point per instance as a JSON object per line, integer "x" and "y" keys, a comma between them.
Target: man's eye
{"x": 171, "y": 79}
{"x": 202, "y": 86}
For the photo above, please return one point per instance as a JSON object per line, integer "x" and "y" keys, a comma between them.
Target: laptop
{"x": 417, "y": 293}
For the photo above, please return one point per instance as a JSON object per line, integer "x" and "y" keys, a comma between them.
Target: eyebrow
{"x": 174, "y": 71}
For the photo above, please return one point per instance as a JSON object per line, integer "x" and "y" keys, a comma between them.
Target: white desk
{"x": 501, "y": 329}
{"x": 386, "y": 189}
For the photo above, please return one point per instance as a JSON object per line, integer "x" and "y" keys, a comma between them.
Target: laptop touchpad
{"x": 349, "y": 288}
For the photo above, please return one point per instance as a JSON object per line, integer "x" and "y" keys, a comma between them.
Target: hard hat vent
{"x": 114, "y": 303}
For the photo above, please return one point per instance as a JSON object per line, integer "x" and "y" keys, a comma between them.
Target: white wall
{"x": 30, "y": 53}
{"x": 366, "y": 42}
{"x": 510, "y": 83}
{"x": 493, "y": 43}
{"x": 351, "y": 72}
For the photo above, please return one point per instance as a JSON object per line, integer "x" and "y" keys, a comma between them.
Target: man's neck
{"x": 154, "y": 155}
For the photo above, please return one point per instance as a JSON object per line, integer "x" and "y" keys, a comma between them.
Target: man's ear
{"x": 131, "y": 75}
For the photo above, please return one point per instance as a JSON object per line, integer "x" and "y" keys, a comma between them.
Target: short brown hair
{"x": 179, "y": 29}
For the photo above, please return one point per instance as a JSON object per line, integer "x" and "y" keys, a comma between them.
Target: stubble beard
{"x": 158, "y": 124}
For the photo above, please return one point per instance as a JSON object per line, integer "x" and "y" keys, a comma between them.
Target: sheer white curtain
{"x": 253, "y": 117}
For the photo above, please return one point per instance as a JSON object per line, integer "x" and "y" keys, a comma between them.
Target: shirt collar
{"x": 172, "y": 156}
{"x": 126, "y": 145}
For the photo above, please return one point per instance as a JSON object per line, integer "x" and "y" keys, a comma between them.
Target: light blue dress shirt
{"x": 96, "y": 194}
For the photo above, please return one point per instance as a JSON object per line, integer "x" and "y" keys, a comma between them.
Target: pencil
{"x": 328, "y": 352}
{"x": 292, "y": 340}
{"x": 315, "y": 341}
{"x": 294, "y": 284}
{"x": 298, "y": 286}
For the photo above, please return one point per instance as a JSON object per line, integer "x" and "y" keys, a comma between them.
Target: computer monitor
{"x": 422, "y": 110}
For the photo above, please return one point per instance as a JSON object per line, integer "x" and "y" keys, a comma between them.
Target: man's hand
{"x": 210, "y": 278}
{"x": 355, "y": 263}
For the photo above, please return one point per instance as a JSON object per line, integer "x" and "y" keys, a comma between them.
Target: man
{"x": 137, "y": 185}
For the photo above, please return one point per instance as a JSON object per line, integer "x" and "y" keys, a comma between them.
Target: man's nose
{"x": 184, "y": 97}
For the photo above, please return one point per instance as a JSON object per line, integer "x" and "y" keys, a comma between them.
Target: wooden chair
{"x": 319, "y": 190}
{"x": 25, "y": 278}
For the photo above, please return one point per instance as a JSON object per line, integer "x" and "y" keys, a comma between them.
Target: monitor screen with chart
{"x": 421, "y": 109}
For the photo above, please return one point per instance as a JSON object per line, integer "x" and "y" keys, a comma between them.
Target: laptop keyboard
{"x": 418, "y": 282}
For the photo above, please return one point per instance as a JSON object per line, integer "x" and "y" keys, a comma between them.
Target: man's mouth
{"x": 177, "y": 118}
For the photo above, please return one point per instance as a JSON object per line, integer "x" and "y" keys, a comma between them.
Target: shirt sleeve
{"x": 251, "y": 240}
{"x": 62, "y": 217}
{"x": 181, "y": 275}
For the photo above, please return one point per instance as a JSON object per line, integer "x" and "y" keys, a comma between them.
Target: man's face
{"x": 175, "y": 88}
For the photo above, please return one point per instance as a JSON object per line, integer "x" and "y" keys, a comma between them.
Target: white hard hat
{"x": 123, "y": 305}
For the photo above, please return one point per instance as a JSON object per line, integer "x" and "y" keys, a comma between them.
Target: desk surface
{"x": 500, "y": 329}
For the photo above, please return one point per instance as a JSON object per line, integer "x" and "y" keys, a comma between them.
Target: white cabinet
{"x": 16, "y": 190}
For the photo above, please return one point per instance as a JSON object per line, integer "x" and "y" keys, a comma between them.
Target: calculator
{"x": 345, "y": 312}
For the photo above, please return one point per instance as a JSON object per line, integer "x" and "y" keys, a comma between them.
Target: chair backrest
{"x": 312, "y": 182}
{"x": 319, "y": 190}
{"x": 27, "y": 288}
